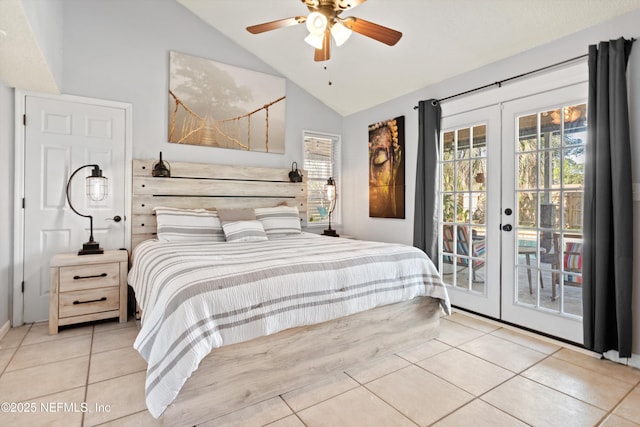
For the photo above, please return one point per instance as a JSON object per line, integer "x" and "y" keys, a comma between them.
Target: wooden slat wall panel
{"x": 144, "y": 204}
{"x": 213, "y": 187}
{"x": 206, "y": 170}
{"x": 207, "y": 186}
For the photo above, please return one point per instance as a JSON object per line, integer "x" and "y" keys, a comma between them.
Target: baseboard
{"x": 4, "y": 329}
{"x": 633, "y": 361}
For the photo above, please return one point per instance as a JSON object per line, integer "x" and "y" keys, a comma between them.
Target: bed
{"x": 226, "y": 324}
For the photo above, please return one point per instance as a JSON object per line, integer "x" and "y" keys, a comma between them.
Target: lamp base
{"x": 330, "y": 232}
{"x": 91, "y": 248}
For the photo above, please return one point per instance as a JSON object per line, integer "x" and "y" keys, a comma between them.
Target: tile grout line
{"x": 86, "y": 382}
{"x": 611, "y": 412}
{"x": 294, "y": 413}
{"x": 515, "y": 374}
{"x": 15, "y": 352}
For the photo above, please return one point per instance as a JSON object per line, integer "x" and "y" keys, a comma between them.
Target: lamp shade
{"x": 96, "y": 185}
{"x": 314, "y": 40}
{"x": 340, "y": 33}
{"x": 330, "y": 188}
{"x": 316, "y": 23}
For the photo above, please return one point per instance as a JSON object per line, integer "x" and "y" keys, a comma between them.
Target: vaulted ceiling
{"x": 441, "y": 39}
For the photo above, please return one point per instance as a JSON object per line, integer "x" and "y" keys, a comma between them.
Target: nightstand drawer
{"x": 97, "y": 283}
{"x": 90, "y": 276}
{"x": 88, "y": 301}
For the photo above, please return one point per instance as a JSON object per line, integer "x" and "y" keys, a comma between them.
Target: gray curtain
{"x": 425, "y": 218}
{"x": 608, "y": 209}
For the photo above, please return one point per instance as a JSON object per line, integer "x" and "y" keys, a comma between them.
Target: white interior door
{"x": 60, "y": 136}
{"x": 470, "y": 198}
{"x": 543, "y": 174}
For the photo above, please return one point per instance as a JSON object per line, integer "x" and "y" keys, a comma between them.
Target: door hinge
{"x": 23, "y": 286}
{"x": 23, "y": 203}
{"x": 24, "y": 120}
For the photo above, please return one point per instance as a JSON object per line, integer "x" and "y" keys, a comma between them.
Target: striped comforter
{"x": 199, "y": 296}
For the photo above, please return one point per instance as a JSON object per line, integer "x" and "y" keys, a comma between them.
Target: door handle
{"x": 507, "y": 227}
{"x": 116, "y": 218}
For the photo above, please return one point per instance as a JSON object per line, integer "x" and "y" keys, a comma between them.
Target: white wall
{"x": 45, "y": 18}
{"x": 6, "y": 199}
{"x": 119, "y": 50}
{"x": 355, "y": 137}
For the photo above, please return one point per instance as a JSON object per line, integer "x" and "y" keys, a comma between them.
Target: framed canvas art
{"x": 386, "y": 169}
{"x": 218, "y": 105}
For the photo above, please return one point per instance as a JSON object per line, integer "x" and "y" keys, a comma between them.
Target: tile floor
{"x": 476, "y": 373}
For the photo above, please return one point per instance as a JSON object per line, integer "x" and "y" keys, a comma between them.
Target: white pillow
{"x": 279, "y": 220}
{"x": 244, "y": 231}
{"x": 188, "y": 225}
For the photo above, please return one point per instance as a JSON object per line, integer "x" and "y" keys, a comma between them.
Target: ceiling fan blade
{"x": 324, "y": 54}
{"x": 374, "y": 31}
{"x": 273, "y": 25}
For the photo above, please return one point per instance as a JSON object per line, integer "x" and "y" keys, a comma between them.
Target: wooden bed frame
{"x": 240, "y": 375}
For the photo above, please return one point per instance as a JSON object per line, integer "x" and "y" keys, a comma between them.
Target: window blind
{"x": 321, "y": 161}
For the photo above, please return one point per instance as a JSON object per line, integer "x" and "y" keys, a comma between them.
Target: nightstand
{"x": 88, "y": 287}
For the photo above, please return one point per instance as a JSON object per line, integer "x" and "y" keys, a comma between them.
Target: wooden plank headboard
{"x": 208, "y": 186}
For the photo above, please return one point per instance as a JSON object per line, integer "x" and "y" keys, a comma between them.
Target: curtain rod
{"x": 500, "y": 82}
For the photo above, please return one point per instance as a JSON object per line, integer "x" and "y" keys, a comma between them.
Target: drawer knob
{"x": 89, "y": 277}
{"x": 76, "y": 302}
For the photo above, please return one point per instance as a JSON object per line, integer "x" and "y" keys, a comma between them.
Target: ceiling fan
{"x": 324, "y": 21}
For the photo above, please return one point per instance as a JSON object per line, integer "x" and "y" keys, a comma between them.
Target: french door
{"x": 511, "y": 223}
{"x": 544, "y": 139}
{"x": 470, "y": 199}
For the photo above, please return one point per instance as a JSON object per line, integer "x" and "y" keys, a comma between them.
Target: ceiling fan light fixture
{"x": 315, "y": 40}
{"x": 316, "y": 23}
{"x": 340, "y": 33}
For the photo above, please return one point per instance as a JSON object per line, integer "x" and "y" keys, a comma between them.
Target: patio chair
{"x": 462, "y": 247}
{"x": 570, "y": 260}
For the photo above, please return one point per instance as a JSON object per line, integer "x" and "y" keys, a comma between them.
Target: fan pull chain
{"x": 325, "y": 69}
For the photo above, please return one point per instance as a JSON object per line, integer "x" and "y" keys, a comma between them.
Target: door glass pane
{"x": 550, "y": 169}
{"x": 479, "y": 141}
{"x": 550, "y": 130}
{"x": 464, "y": 197}
{"x": 527, "y": 170}
{"x": 528, "y": 132}
{"x": 464, "y": 139}
{"x": 462, "y": 175}
{"x": 478, "y": 168}
{"x": 527, "y": 209}
{"x": 478, "y": 208}
{"x": 448, "y": 145}
{"x": 549, "y": 188}
{"x": 448, "y": 176}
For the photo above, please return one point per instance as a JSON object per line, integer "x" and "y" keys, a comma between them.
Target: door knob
{"x": 507, "y": 227}
{"x": 116, "y": 218}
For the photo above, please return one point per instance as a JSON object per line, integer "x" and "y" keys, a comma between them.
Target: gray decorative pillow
{"x": 242, "y": 214}
{"x": 279, "y": 220}
{"x": 188, "y": 225}
{"x": 244, "y": 231}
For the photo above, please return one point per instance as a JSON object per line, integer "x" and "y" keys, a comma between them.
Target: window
{"x": 321, "y": 161}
